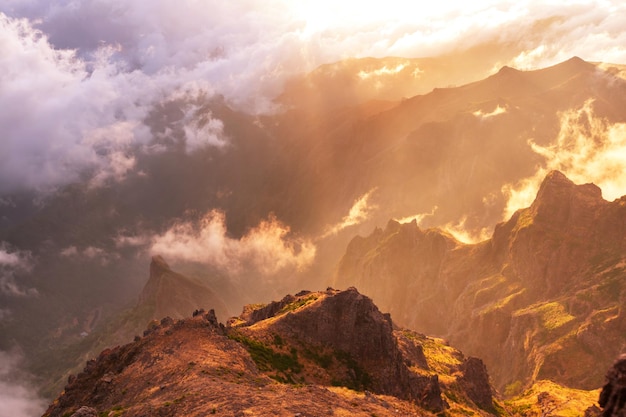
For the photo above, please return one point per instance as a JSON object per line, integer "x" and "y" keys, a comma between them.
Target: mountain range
{"x": 543, "y": 295}
{"x": 540, "y": 301}
{"x": 277, "y": 206}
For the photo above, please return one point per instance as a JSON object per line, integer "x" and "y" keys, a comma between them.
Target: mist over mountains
{"x": 238, "y": 144}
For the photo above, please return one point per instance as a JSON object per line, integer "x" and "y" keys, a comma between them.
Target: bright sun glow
{"x": 323, "y": 15}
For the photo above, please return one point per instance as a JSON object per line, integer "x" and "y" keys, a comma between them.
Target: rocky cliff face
{"x": 543, "y": 293}
{"x": 315, "y": 353}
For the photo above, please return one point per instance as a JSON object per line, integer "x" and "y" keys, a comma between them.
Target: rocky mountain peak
{"x": 360, "y": 344}
{"x": 311, "y": 353}
{"x": 169, "y": 293}
{"x": 507, "y": 70}
{"x": 552, "y": 275}
{"x": 158, "y": 265}
{"x": 560, "y": 200}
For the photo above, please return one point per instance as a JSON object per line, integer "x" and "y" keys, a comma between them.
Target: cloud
{"x": 59, "y": 116}
{"x": 14, "y": 262}
{"x": 587, "y": 149}
{"x": 78, "y": 78}
{"x": 418, "y": 218}
{"x": 384, "y": 70}
{"x": 359, "y": 212}
{"x": 457, "y": 229}
{"x": 484, "y": 116}
{"x": 201, "y": 130}
{"x": 64, "y": 115}
{"x": 90, "y": 252}
{"x": 18, "y": 397}
{"x": 464, "y": 235}
{"x": 269, "y": 247}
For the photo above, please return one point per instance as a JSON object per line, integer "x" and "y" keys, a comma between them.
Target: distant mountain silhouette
{"x": 170, "y": 294}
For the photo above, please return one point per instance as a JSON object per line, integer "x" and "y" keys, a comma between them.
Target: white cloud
{"x": 59, "y": 116}
{"x": 269, "y": 247}
{"x": 12, "y": 263}
{"x": 359, "y": 212}
{"x": 18, "y": 398}
{"x": 417, "y": 218}
{"x": 90, "y": 252}
{"x": 459, "y": 231}
{"x": 587, "y": 149}
{"x": 201, "y": 131}
{"x": 484, "y": 116}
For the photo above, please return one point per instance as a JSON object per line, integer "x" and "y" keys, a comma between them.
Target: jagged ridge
{"x": 544, "y": 292}
{"x": 319, "y": 340}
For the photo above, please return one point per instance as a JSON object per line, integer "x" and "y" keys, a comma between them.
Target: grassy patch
{"x": 514, "y": 388}
{"x": 552, "y": 315}
{"x": 440, "y": 357}
{"x": 563, "y": 401}
{"x": 116, "y": 411}
{"x": 486, "y": 289}
{"x": 360, "y": 381}
{"x": 267, "y": 359}
{"x": 297, "y": 304}
{"x": 503, "y": 302}
{"x": 324, "y": 360}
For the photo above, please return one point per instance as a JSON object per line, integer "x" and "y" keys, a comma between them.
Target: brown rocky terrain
{"x": 542, "y": 299}
{"x": 315, "y": 353}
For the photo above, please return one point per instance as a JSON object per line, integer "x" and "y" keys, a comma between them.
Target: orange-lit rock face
{"x": 546, "y": 289}
{"x": 312, "y": 353}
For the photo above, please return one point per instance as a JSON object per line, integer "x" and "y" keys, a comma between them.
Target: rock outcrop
{"x": 319, "y": 353}
{"x": 350, "y": 342}
{"x": 613, "y": 396}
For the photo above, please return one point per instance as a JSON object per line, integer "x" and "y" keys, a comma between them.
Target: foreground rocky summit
{"x": 315, "y": 353}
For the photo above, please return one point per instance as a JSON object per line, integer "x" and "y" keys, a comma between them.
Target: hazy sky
{"x": 77, "y": 77}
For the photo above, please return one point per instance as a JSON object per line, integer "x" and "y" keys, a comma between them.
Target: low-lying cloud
{"x": 587, "y": 149}
{"x": 90, "y": 252}
{"x": 418, "y": 218}
{"x": 463, "y": 234}
{"x": 485, "y": 116}
{"x": 359, "y": 212}
{"x": 269, "y": 247}
{"x": 456, "y": 229}
{"x": 12, "y": 263}
{"x": 18, "y": 398}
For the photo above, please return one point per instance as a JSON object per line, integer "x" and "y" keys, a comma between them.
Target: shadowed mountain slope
{"x": 168, "y": 293}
